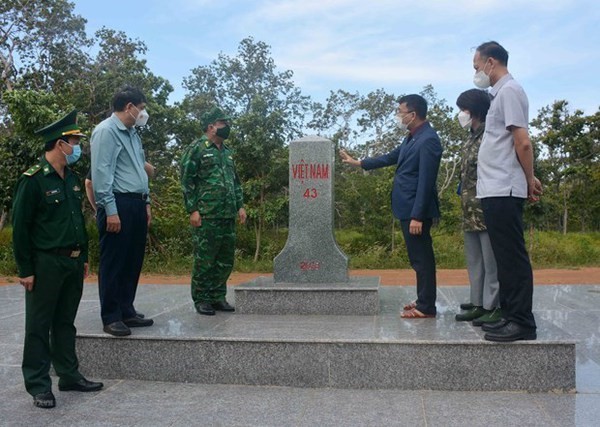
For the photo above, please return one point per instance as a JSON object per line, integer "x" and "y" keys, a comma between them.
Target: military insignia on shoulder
{"x": 32, "y": 170}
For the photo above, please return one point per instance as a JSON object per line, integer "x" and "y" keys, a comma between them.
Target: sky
{"x": 360, "y": 46}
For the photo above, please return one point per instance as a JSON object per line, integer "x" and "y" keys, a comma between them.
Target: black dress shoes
{"x": 138, "y": 322}
{"x": 81, "y": 385}
{"x": 511, "y": 332}
{"x": 489, "y": 327}
{"x": 140, "y": 315}
{"x": 205, "y": 308}
{"x": 223, "y": 306}
{"x": 118, "y": 329}
{"x": 44, "y": 400}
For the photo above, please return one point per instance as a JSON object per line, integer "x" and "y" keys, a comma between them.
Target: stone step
{"x": 425, "y": 365}
{"x": 358, "y": 296}
{"x": 368, "y": 352}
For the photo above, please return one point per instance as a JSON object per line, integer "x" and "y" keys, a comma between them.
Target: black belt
{"x": 68, "y": 252}
{"x": 136, "y": 196}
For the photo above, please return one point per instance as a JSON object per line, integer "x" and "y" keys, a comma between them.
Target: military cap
{"x": 67, "y": 126}
{"x": 213, "y": 115}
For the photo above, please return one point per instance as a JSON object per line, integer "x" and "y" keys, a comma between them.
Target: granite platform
{"x": 360, "y": 352}
{"x": 357, "y": 296}
{"x": 563, "y": 312}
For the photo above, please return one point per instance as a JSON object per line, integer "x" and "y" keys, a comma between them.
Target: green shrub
{"x": 449, "y": 249}
{"x": 553, "y": 249}
{"x": 7, "y": 260}
{"x": 170, "y": 249}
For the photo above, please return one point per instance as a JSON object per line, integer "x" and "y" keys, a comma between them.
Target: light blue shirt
{"x": 499, "y": 172}
{"x": 117, "y": 163}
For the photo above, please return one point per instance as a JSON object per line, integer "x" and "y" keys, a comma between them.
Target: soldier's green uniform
{"x": 211, "y": 187}
{"x": 50, "y": 243}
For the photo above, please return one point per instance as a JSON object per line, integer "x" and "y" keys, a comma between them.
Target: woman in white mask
{"x": 481, "y": 264}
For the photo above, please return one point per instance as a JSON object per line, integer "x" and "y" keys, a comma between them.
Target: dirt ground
{"x": 576, "y": 276}
{"x": 407, "y": 277}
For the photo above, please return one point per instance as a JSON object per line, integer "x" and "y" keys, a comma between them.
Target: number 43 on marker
{"x": 311, "y": 193}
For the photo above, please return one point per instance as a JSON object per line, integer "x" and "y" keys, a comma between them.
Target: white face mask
{"x": 481, "y": 80}
{"x": 142, "y": 117}
{"x": 465, "y": 119}
{"x": 401, "y": 125}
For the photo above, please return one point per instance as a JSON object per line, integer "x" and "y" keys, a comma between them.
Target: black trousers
{"x": 504, "y": 221}
{"x": 422, "y": 260}
{"x": 121, "y": 259}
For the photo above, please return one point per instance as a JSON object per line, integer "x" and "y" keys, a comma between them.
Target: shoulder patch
{"x": 32, "y": 170}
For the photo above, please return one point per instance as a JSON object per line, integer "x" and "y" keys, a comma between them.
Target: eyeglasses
{"x": 403, "y": 115}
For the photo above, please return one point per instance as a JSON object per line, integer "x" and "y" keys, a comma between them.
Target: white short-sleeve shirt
{"x": 499, "y": 173}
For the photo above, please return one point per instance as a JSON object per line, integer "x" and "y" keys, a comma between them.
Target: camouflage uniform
{"x": 211, "y": 187}
{"x": 471, "y": 206}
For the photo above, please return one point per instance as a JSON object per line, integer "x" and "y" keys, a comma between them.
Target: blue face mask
{"x": 75, "y": 155}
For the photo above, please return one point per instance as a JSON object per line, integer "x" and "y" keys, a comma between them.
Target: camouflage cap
{"x": 213, "y": 115}
{"x": 66, "y": 126}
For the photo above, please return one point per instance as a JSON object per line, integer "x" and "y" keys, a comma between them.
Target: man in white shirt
{"x": 505, "y": 180}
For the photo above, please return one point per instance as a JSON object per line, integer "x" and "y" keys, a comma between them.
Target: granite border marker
{"x": 310, "y": 274}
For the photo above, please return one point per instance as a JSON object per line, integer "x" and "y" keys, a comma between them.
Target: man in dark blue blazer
{"x": 414, "y": 195}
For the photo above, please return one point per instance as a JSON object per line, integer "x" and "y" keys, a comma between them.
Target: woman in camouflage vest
{"x": 481, "y": 264}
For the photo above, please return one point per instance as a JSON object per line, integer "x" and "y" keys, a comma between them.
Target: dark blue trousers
{"x": 121, "y": 259}
{"x": 422, "y": 260}
{"x": 504, "y": 221}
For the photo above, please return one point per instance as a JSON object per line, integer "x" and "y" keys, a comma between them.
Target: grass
{"x": 173, "y": 255}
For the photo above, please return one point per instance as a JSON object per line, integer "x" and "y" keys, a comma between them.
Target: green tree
{"x": 442, "y": 118}
{"x": 37, "y": 39}
{"x": 377, "y": 122}
{"x": 269, "y": 111}
{"x": 41, "y": 46}
{"x": 337, "y": 118}
{"x": 20, "y": 147}
{"x": 570, "y": 150}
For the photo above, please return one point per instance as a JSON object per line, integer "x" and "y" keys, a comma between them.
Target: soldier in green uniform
{"x": 51, "y": 250}
{"x": 213, "y": 198}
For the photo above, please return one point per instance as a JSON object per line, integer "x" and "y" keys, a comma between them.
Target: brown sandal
{"x": 415, "y": 314}
{"x": 410, "y": 306}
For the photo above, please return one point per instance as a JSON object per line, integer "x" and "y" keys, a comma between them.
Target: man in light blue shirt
{"x": 121, "y": 190}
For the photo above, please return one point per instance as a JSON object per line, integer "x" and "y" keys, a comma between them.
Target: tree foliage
{"x": 568, "y": 162}
{"x": 49, "y": 65}
{"x": 38, "y": 38}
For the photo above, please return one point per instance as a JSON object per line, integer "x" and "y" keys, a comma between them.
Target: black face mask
{"x": 224, "y": 132}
